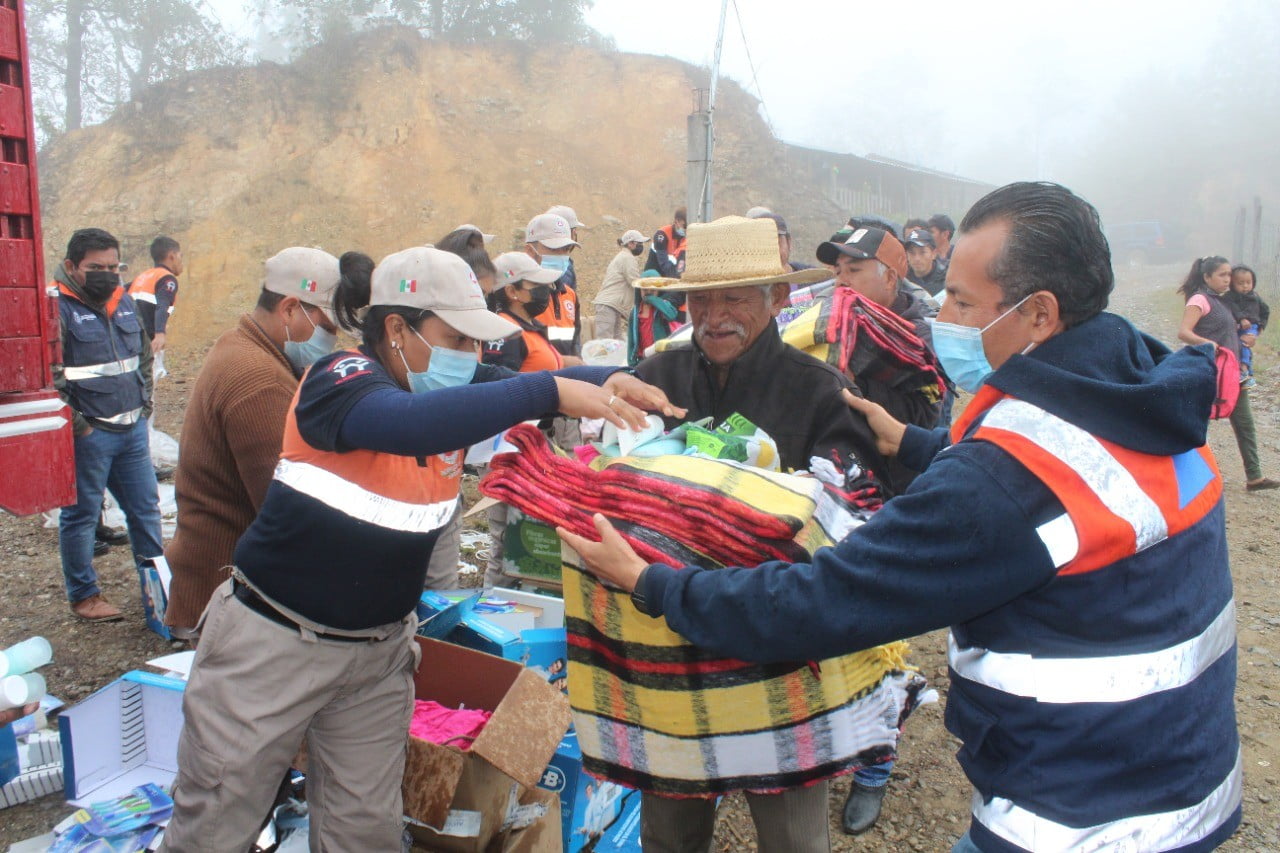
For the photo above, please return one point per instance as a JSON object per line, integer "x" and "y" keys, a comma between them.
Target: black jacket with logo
{"x": 789, "y": 394}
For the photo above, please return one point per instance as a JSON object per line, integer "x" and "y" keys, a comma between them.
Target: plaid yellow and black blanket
{"x": 657, "y": 713}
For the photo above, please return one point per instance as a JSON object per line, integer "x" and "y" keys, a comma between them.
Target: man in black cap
{"x": 922, "y": 260}
{"x": 873, "y": 262}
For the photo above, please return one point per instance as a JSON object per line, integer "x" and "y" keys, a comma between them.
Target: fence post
{"x": 1257, "y": 230}
{"x": 1237, "y": 236}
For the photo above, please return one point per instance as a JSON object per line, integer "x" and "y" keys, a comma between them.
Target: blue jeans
{"x": 965, "y": 845}
{"x": 120, "y": 461}
{"x": 874, "y": 775}
{"x": 1246, "y": 353}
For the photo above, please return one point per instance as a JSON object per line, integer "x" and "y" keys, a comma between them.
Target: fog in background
{"x": 1153, "y": 109}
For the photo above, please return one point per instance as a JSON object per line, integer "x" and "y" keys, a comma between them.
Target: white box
{"x": 552, "y": 608}
{"x": 122, "y": 736}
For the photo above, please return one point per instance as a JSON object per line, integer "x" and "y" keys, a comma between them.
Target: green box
{"x": 531, "y": 549}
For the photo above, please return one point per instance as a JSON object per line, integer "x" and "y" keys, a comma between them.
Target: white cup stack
{"x": 19, "y": 684}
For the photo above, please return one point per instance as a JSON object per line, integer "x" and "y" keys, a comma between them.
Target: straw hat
{"x": 734, "y": 251}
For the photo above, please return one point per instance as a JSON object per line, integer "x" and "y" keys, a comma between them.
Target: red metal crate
{"x": 37, "y": 453}
{"x": 22, "y": 364}
{"x": 18, "y": 266}
{"x": 19, "y": 313}
{"x": 13, "y": 112}
{"x": 10, "y": 35}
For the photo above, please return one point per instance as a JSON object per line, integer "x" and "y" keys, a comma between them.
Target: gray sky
{"x": 959, "y": 85}
{"x": 991, "y": 89}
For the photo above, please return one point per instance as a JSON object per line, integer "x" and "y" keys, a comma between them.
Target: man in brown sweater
{"x": 235, "y": 422}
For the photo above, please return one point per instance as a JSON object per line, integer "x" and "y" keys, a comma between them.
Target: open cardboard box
{"x": 540, "y": 644}
{"x": 443, "y": 783}
{"x": 122, "y": 736}
{"x": 536, "y": 833}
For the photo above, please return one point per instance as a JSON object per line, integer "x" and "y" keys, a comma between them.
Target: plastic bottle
{"x": 25, "y": 656}
{"x": 18, "y": 690}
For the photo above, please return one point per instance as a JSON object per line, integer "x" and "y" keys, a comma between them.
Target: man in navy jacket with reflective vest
{"x": 105, "y": 379}
{"x": 1069, "y": 530}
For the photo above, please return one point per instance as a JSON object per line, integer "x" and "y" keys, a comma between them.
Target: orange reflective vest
{"x": 561, "y": 315}
{"x": 376, "y": 488}
{"x": 143, "y": 288}
{"x": 1118, "y": 501}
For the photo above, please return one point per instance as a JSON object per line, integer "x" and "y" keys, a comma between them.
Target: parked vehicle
{"x": 1138, "y": 243}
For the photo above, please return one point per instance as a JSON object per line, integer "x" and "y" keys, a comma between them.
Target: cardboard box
{"x": 529, "y": 720}
{"x": 532, "y": 825}
{"x": 542, "y": 833}
{"x": 454, "y": 620}
{"x": 547, "y": 610}
{"x": 595, "y": 815}
{"x": 122, "y": 736}
{"x": 453, "y": 617}
{"x": 154, "y": 576}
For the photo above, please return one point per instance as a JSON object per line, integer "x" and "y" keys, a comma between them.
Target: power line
{"x": 755, "y": 81}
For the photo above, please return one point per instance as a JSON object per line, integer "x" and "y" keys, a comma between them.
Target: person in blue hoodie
{"x": 1069, "y": 530}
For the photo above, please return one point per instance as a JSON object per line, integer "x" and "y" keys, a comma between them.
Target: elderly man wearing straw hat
{"x": 737, "y": 363}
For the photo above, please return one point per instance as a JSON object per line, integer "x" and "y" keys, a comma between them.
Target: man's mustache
{"x": 737, "y": 328}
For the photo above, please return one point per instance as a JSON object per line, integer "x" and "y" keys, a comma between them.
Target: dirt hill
{"x": 388, "y": 140}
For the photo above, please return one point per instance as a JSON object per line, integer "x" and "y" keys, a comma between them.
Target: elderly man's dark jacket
{"x": 789, "y": 394}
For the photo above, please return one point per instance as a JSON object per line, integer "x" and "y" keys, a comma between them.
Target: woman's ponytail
{"x": 353, "y": 292}
{"x": 1200, "y": 268}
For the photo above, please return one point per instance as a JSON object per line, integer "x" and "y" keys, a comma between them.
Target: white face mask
{"x": 303, "y": 354}
{"x": 960, "y": 351}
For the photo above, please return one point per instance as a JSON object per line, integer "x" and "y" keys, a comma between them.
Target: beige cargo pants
{"x": 257, "y": 688}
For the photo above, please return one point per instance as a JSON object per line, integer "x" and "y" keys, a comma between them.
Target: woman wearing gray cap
{"x": 313, "y": 635}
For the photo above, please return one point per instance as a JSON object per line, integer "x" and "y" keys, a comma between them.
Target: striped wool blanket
{"x": 657, "y": 713}
{"x": 850, "y": 332}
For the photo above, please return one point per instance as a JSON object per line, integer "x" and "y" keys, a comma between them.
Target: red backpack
{"x": 1224, "y": 402}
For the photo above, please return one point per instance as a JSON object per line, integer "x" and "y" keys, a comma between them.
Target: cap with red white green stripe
{"x": 309, "y": 274}
{"x": 442, "y": 283}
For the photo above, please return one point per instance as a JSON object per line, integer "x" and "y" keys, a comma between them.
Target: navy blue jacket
{"x": 960, "y": 548}
{"x": 105, "y": 373}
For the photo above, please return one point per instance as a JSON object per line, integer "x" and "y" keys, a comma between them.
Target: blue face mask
{"x": 960, "y": 351}
{"x": 303, "y": 354}
{"x": 559, "y": 263}
{"x": 448, "y": 368}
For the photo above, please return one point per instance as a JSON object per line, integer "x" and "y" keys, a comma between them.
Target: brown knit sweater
{"x": 230, "y": 443}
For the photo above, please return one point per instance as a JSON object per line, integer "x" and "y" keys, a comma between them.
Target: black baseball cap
{"x": 921, "y": 237}
{"x": 867, "y": 243}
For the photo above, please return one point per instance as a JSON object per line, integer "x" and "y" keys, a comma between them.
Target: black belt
{"x": 257, "y": 604}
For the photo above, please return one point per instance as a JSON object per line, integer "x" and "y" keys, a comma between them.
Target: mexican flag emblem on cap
{"x": 309, "y": 285}
{"x": 408, "y": 285}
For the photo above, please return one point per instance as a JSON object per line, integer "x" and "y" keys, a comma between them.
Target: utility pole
{"x": 701, "y": 138}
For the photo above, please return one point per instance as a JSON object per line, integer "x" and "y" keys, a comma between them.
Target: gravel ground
{"x": 927, "y": 806}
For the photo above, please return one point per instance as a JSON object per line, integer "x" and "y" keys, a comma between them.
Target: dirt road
{"x": 927, "y": 807}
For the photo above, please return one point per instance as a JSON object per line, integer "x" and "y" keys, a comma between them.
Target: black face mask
{"x": 636, "y": 250}
{"x": 100, "y": 284}
{"x": 539, "y": 299}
